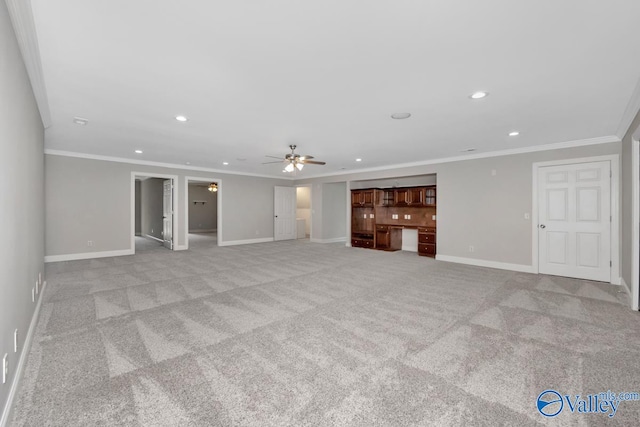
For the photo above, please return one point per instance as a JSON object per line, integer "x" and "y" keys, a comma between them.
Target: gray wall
{"x": 409, "y": 181}
{"x": 151, "y": 207}
{"x": 202, "y": 217}
{"x": 138, "y": 225}
{"x": 626, "y": 225}
{"x": 21, "y": 198}
{"x": 476, "y": 208}
{"x": 91, "y": 200}
{"x": 334, "y": 206}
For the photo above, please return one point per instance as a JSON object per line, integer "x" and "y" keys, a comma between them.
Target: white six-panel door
{"x": 284, "y": 206}
{"x": 574, "y": 213}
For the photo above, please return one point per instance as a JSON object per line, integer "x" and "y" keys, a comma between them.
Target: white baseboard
{"x": 204, "y": 230}
{"x": 180, "y": 247}
{"x": 154, "y": 238}
{"x": 246, "y": 242}
{"x": 485, "y": 263}
{"x": 334, "y": 240}
{"x": 24, "y": 354}
{"x": 87, "y": 255}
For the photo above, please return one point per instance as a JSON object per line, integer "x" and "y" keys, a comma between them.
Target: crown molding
{"x": 633, "y": 107}
{"x": 509, "y": 152}
{"x": 499, "y": 153}
{"x": 21, "y": 15}
{"x": 156, "y": 164}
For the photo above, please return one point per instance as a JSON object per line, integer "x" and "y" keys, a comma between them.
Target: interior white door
{"x": 167, "y": 213}
{"x": 574, "y": 213}
{"x": 284, "y": 207}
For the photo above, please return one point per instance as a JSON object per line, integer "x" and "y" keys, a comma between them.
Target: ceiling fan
{"x": 295, "y": 161}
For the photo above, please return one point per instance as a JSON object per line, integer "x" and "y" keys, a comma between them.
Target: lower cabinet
{"x": 383, "y": 238}
{"x": 362, "y": 243}
{"x": 427, "y": 241}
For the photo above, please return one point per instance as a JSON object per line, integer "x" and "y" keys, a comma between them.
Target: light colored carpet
{"x": 302, "y": 334}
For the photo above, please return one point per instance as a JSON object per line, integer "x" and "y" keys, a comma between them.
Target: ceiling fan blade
{"x": 306, "y": 157}
{"x": 313, "y": 162}
{"x": 274, "y": 157}
{"x": 268, "y": 163}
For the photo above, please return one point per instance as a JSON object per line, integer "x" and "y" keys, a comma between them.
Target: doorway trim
{"x": 209, "y": 179}
{"x": 174, "y": 206}
{"x": 635, "y": 226}
{"x": 614, "y": 159}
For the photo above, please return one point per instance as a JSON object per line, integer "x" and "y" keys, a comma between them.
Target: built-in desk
{"x": 397, "y": 237}
{"x": 406, "y": 221}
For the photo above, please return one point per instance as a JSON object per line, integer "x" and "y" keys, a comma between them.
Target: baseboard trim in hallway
{"x": 87, "y": 255}
{"x": 13, "y": 392}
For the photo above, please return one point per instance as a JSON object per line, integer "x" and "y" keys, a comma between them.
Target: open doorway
{"x": 202, "y": 219}
{"x": 154, "y": 211}
{"x": 303, "y": 212}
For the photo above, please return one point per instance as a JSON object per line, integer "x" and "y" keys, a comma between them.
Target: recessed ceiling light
{"x": 80, "y": 121}
{"x": 514, "y": 133}
{"x": 400, "y": 116}
{"x": 478, "y": 95}
{"x": 225, "y": 163}
{"x": 181, "y": 118}
{"x": 358, "y": 160}
{"x": 138, "y": 151}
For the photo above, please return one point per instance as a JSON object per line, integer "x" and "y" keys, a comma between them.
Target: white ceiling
{"x": 256, "y": 76}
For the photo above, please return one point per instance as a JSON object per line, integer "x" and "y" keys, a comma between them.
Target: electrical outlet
{"x": 471, "y": 248}
{"x": 89, "y": 242}
{"x": 15, "y": 341}
{"x": 5, "y": 368}
{"x": 527, "y": 215}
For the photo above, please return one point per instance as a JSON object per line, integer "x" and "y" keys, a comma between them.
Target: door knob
{"x": 543, "y": 226}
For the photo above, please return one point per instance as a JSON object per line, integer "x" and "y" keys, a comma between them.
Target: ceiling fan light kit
{"x": 295, "y": 161}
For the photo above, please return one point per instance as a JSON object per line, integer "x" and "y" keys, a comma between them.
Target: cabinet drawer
{"x": 360, "y": 243}
{"x": 427, "y": 238}
{"x": 426, "y": 249}
{"x": 426, "y": 229}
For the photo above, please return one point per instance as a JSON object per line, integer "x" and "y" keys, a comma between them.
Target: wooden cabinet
{"x": 385, "y": 197}
{"x": 383, "y": 237}
{"x": 427, "y": 241}
{"x": 388, "y": 238}
{"x": 379, "y": 215}
{"x": 430, "y": 196}
{"x": 411, "y": 196}
{"x": 362, "y": 198}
